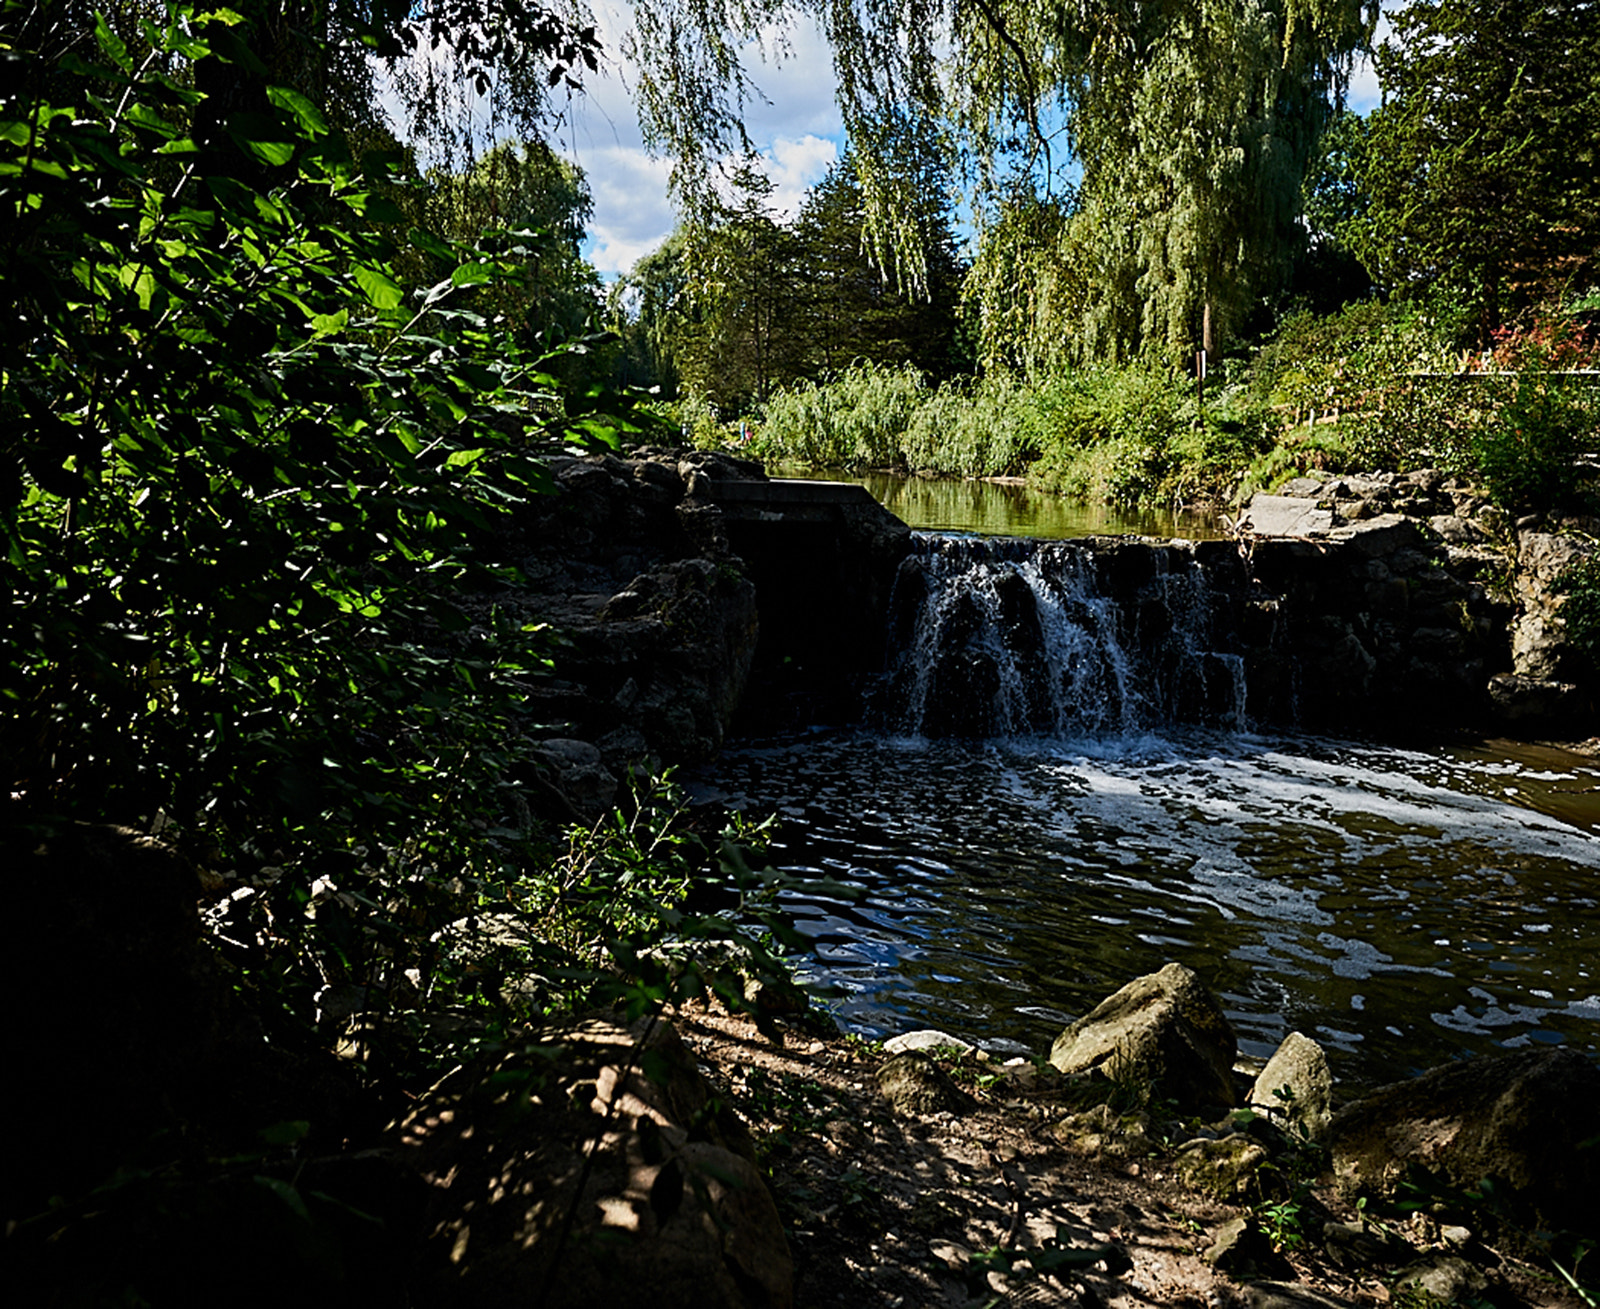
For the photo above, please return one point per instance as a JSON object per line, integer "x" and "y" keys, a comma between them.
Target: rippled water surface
{"x": 1402, "y": 906}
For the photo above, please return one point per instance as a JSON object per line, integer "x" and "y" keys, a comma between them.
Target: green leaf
{"x": 287, "y": 1194}
{"x": 471, "y": 274}
{"x": 145, "y": 116}
{"x": 381, "y": 289}
{"x": 305, "y": 113}
{"x": 464, "y": 458}
{"x": 111, "y": 45}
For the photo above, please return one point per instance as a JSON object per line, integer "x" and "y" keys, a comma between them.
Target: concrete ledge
{"x": 791, "y": 500}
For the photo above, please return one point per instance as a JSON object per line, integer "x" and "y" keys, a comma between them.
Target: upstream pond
{"x": 990, "y": 507}
{"x": 1402, "y": 904}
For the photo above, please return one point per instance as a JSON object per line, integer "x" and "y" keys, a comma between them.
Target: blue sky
{"x": 798, "y": 131}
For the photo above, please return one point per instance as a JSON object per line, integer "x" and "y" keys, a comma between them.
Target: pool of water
{"x": 1402, "y": 906}
{"x": 991, "y": 508}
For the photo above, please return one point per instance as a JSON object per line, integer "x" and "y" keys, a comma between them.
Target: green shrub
{"x": 1579, "y": 582}
{"x": 1126, "y": 436}
{"x": 1526, "y": 453}
{"x": 246, "y": 478}
{"x": 854, "y": 420}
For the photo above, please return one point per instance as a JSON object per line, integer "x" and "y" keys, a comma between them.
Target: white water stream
{"x": 1402, "y": 905}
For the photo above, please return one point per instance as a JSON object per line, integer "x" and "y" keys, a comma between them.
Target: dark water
{"x": 1009, "y": 509}
{"x": 1106, "y": 808}
{"x": 1404, "y": 907}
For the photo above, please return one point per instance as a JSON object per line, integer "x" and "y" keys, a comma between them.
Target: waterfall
{"x": 1007, "y": 637}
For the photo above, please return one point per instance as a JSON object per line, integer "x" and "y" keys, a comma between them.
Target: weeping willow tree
{"x": 1188, "y": 125}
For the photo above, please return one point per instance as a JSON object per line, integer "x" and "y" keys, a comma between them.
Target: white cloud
{"x": 1365, "y": 94}
{"x": 795, "y": 166}
{"x": 795, "y": 125}
{"x": 632, "y": 214}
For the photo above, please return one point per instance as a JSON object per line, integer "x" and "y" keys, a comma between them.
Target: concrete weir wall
{"x": 692, "y": 596}
{"x": 823, "y": 557}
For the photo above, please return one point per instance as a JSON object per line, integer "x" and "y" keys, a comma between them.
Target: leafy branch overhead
{"x": 244, "y": 461}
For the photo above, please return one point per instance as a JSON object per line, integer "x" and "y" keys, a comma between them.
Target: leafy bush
{"x": 1579, "y": 582}
{"x": 1126, "y": 436}
{"x": 856, "y": 419}
{"x": 248, "y": 478}
{"x": 1526, "y": 452}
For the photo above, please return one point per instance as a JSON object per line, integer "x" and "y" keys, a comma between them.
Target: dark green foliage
{"x": 735, "y": 310}
{"x": 1526, "y": 454}
{"x": 250, "y": 475}
{"x": 855, "y": 310}
{"x": 1480, "y": 169}
{"x": 1580, "y": 611}
{"x": 244, "y": 465}
{"x": 1124, "y": 436}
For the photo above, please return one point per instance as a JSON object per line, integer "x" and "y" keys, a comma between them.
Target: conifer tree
{"x": 1482, "y": 166}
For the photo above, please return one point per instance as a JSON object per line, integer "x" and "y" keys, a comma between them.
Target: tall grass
{"x": 1123, "y": 436}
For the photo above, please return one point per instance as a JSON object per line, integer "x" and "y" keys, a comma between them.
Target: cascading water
{"x": 1005, "y": 637}
{"x": 1057, "y": 788}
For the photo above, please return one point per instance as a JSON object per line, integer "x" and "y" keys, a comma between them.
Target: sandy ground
{"x": 931, "y": 1211}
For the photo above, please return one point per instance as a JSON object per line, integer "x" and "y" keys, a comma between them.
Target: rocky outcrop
{"x": 672, "y": 582}
{"x": 1404, "y": 598}
{"x": 587, "y": 1170}
{"x": 1519, "y": 1119}
{"x": 1550, "y": 682}
{"x": 1164, "y": 1032}
{"x": 654, "y": 620}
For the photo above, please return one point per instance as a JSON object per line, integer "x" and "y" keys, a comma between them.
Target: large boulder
{"x": 1519, "y": 1119}
{"x": 594, "y": 1167}
{"x": 1295, "y": 1089}
{"x": 1164, "y": 1031}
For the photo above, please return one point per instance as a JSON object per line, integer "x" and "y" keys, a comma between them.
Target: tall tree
{"x": 854, "y": 308}
{"x": 1482, "y": 167}
{"x": 744, "y": 290}
{"x": 1328, "y": 274}
{"x": 1193, "y": 122}
{"x": 541, "y": 205}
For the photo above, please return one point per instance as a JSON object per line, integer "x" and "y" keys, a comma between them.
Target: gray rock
{"x": 1448, "y": 1279}
{"x": 1354, "y": 1246}
{"x": 1102, "y": 1132}
{"x": 1289, "y": 1295}
{"x": 1285, "y": 515}
{"x": 1295, "y": 1089}
{"x": 916, "y": 1087}
{"x": 926, "y": 1039}
{"x": 1533, "y": 704}
{"x": 1383, "y": 535}
{"x": 1225, "y": 1169}
{"x": 1163, "y": 1032}
{"x": 1518, "y": 1119}
{"x": 1455, "y": 531}
{"x": 580, "y": 773}
{"x": 1241, "y": 1249}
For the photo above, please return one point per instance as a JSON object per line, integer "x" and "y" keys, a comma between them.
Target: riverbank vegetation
{"x": 275, "y": 376}
{"x": 1371, "y": 298}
